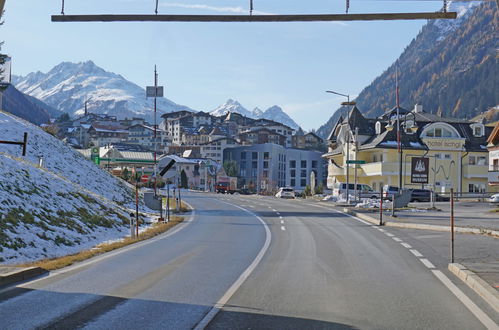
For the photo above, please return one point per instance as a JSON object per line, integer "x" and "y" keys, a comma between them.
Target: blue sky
{"x": 201, "y": 65}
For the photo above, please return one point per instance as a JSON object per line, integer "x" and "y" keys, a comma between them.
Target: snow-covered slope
{"x": 66, "y": 205}
{"x": 68, "y": 85}
{"x": 274, "y": 113}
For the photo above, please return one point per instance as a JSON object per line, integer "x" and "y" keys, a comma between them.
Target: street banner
{"x": 420, "y": 169}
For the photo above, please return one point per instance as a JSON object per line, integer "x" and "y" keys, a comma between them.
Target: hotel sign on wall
{"x": 420, "y": 169}
{"x": 444, "y": 144}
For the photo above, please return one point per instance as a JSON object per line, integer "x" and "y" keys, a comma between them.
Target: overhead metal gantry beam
{"x": 253, "y": 18}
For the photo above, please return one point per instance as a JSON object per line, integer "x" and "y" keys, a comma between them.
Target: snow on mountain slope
{"x": 274, "y": 113}
{"x": 66, "y": 205}
{"x": 463, "y": 9}
{"x": 68, "y": 85}
{"x": 232, "y": 106}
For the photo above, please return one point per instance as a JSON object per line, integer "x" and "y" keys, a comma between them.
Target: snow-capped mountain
{"x": 60, "y": 206}
{"x": 274, "y": 113}
{"x": 231, "y": 106}
{"x": 68, "y": 85}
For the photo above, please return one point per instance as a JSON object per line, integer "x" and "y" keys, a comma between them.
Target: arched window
{"x": 440, "y": 130}
{"x": 378, "y": 127}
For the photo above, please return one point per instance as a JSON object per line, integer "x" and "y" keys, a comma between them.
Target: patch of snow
{"x": 65, "y": 206}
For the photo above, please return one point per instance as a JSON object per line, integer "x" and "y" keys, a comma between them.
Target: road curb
{"x": 410, "y": 225}
{"x": 20, "y": 274}
{"x": 487, "y": 292}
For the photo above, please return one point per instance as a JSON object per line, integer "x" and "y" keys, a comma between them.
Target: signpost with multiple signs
{"x": 420, "y": 169}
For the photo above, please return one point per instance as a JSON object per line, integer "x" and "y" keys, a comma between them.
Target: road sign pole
{"x": 381, "y": 206}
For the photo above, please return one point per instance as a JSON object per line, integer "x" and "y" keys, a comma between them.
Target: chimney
{"x": 418, "y": 108}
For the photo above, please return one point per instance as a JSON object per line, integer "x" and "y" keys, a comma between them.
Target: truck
{"x": 226, "y": 185}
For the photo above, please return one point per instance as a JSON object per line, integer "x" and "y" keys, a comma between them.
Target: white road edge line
{"x": 416, "y": 253}
{"x": 427, "y": 263}
{"x": 235, "y": 286}
{"x": 480, "y": 315}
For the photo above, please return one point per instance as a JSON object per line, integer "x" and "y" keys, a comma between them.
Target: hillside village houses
{"x": 197, "y": 135}
{"x": 455, "y": 151}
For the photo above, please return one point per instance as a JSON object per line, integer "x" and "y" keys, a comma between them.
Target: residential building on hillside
{"x": 493, "y": 148}
{"x": 214, "y": 149}
{"x": 452, "y": 152}
{"x": 309, "y": 141}
{"x": 102, "y": 135}
{"x": 144, "y": 135}
{"x": 266, "y": 167}
{"x": 260, "y": 135}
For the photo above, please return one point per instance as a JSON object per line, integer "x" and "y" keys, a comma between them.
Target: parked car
{"x": 424, "y": 195}
{"x": 285, "y": 192}
{"x": 390, "y": 191}
{"x": 420, "y": 195}
{"x": 494, "y": 198}
{"x": 363, "y": 190}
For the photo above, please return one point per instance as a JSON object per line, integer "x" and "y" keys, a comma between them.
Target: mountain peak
{"x": 67, "y": 85}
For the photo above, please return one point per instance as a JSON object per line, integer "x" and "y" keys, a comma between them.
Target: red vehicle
{"x": 226, "y": 185}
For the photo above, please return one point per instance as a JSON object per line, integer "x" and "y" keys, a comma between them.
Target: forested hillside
{"x": 451, "y": 68}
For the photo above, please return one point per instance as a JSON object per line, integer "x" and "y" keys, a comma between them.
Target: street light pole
{"x": 348, "y": 136}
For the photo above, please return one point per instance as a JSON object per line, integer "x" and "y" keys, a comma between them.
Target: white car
{"x": 494, "y": 198}
{"x": 285, "y": 193}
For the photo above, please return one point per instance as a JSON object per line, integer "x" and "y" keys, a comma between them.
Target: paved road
{"x": 169, "y": 283}
{"x": 322, "y": 270}
{"x": 326, "y": 270}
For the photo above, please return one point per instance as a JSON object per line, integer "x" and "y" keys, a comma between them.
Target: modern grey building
{"x": 266, "y": 167}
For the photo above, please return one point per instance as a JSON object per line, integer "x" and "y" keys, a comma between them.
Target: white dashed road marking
{"x": 407, "y": 246}
{"x": 427, "y": 263}
{"x": 283, "y": 228}
{"x": 396, "y": 239}
{"x": 416, "y": 253}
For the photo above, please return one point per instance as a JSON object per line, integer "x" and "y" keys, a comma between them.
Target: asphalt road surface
{"x": 246, "y": 262}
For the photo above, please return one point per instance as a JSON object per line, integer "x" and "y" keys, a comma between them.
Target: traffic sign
{"x": 154, "y": 91}
{"x": 144, "y": 178}
{"x": 356, "y": 161}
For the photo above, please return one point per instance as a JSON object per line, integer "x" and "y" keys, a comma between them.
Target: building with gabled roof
{"x": 455, "y": 149}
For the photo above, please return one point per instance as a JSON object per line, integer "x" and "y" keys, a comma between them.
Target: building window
{"x": 472, "y": 160}
{"x": 243, "y": 155}
{"x": 292, "y": 164}
{"x": 254, "y": 155}
{"x": 303, "y": 164}
{"x": 303, "y": 173}
{"x": 447, "y": 156}
{"x": 242, "y": 165}
{"x": 265, "y": 164}
{"x": 314, "y": 164}
{"x": 375, "y": 158}
{"x": 265, "y": 155}
{"x": 254, "y": 164}
{"x": 303, "y": 182}
{"x": 293, "y": 182}
{"x": 293, "y": 173}
{"x": 438, "y": 156}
